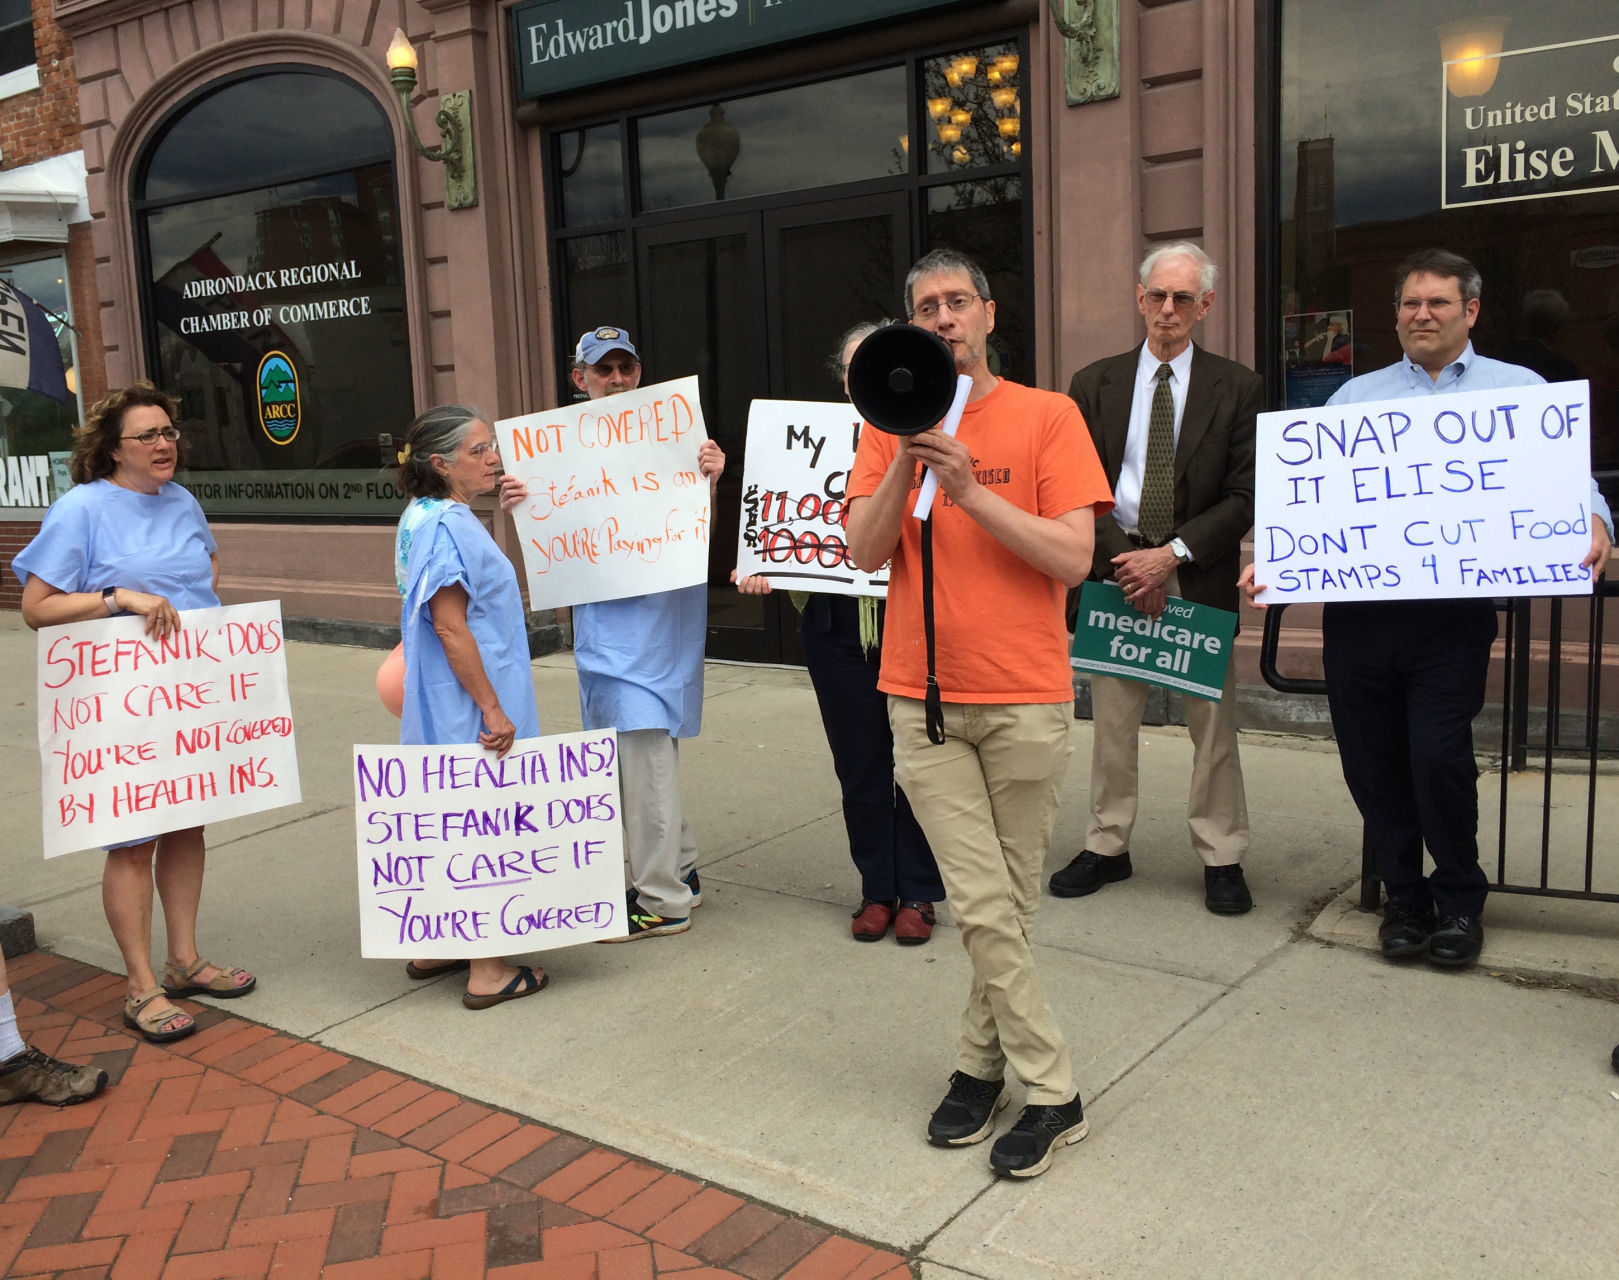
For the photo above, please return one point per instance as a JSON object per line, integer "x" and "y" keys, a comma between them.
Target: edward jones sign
{"x": 563, "y": 45}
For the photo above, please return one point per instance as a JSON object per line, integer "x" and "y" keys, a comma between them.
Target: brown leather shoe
{"x": 913, "y": 923}
{"x": 871, "y": 921}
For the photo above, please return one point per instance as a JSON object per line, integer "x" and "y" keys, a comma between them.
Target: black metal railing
{"x": 1550, "y": 734}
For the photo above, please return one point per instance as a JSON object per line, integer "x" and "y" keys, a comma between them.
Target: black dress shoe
{"x": 1405, "y": 930}
{"x": 1616, "y": 1057}
{"x": 1088, "y": 873}
{"x": 1456, "y": 942}
{"x": 1225, "y": 892}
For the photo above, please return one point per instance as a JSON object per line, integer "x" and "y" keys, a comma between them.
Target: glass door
{"x": 753, "y": 304}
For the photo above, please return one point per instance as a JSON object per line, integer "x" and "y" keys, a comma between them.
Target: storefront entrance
{"x": 816, "y": 269}
{"x": 739, "y": 238}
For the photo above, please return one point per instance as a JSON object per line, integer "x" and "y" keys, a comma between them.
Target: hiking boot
{"x": 33, "y": 1076}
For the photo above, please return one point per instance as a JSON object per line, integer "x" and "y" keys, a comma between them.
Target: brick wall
{"x": 43, "y": 122}
{"x": 14, "y": 536}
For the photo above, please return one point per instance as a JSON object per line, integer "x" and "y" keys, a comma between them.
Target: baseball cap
{"x": 598, "y": 342}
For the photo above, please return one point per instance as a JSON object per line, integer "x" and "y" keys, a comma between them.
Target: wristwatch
{"x": 109, "y": 597}
{"x": 1181, "y": 551}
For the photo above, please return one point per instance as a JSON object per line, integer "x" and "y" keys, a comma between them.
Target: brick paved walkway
{"x": 243, "y": 1152}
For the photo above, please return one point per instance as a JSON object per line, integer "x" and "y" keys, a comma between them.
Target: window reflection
{"x": 811, "y": 135}
{"x": 254, "y": 132}
{"x": 299, "y": 274}
{"x": 590, "y": 166}
{"x": 599, "y": 290}
{"x": 974, "y": 108}
{"x": 1369, "y": 119}
{"x": 984, "y": 219}
{"x": 34, "y": 425}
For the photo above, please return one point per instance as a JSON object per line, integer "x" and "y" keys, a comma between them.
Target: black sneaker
{"x": 1024, "y": 1150}
{"x": 967, "y": 1114}
{"x": 1456, "y": 942}
{"x": 1088, "y": 873}
{"x": 1405, "y": 930}
{"x": 34, "y": 1076}
{"x": 696, "y": 886}
{"x": 647, "y": 924}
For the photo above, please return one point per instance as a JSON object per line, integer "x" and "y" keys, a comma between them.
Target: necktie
{"x": 1157, "y": 514}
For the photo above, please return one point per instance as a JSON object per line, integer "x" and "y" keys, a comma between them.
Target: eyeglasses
{"x": 478, "y": 450}
{"x": 956, "y": 302}
{"x": 170, "y": 433}
{"x": 1410, "y": 306}
{"x": 1155, "y": 299}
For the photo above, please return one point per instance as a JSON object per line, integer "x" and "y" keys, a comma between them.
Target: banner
{"x": 1481, "y": 493}
{"x": 463, "y": 854}
{"x": 1187, "y": 647}
{"x": 794, "y": 477}
{"x": 561, "y": 46}
{"x": 140, "y": 736}
{"x": 616, "y": 506}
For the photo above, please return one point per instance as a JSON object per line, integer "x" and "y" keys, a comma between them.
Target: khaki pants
{"x": 658, "y": 844}
{"x": 986, "y": 799}
{"x": 1216, "y": 805}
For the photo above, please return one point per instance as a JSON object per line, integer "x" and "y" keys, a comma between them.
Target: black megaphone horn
{"x": 902, "y": 379}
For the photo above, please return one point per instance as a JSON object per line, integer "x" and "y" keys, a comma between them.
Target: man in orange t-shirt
{"x": 1020, "y": 488}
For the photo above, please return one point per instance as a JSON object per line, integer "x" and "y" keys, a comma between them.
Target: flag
{"x": 30, "y": 357}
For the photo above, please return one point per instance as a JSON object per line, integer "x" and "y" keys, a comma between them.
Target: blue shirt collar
{"x": 1416, "y": 375}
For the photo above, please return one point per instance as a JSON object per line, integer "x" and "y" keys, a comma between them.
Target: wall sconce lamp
{"x": 454, "y": 123}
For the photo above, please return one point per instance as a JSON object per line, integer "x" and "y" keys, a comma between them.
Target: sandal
{"x": 524, "y": 984}
{"x": 179, "y": 983}
{"x": 156, "y": 1026}
{"x": 421, "y": 972}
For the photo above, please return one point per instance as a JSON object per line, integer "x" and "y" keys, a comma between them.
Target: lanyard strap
{"x": 932, "y": 704}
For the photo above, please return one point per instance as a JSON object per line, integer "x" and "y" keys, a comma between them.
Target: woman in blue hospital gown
{"x": 467, "y": 676}
{"x": 127, "y": 540}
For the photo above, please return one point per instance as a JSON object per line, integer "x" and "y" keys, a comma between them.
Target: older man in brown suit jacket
{"x": 1174, "y": 427}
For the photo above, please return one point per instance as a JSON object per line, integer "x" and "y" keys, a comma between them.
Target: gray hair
{"x": 1443, "y": 263}
{"x": 855, "y": 333}
{"x": 942, "y": 260}
{"x": 440, "y": 430}
{"x": 1207, "y": 273}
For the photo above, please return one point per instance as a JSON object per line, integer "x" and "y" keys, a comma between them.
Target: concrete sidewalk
{"x": 1266, "y": 1098}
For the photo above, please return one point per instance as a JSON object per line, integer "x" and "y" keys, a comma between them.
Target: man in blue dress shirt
{"x": 640, "y": 664}
{"x": 1405, "y": 679}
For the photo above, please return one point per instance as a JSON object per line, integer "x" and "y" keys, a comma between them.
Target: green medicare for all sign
{"x": 563, "y": 45}
{"x": 1187, "y": 647}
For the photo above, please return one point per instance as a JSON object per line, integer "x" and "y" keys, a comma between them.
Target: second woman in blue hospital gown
{"x": 467, "y": 675}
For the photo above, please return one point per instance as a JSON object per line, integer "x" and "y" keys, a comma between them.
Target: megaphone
{"x": 902, "y": 379}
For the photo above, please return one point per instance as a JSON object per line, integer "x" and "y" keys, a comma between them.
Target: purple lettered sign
{"x": 463, "y": 854}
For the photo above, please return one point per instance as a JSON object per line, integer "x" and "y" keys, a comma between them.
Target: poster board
{"x": 1186, "y": 648}
{"x": 463, "y": 854}
{"x": 1474, "y": 494}
{"x": 616, "y": 506}
{"x": 139, "y": 736}
{"x": 794, "y": 480}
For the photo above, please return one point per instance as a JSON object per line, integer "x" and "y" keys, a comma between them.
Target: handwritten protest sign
{"x": 465, "y": 854}
{"x": 793, "y": 483}
{"x": 1481, "y": 493}
{"x": 616, "y": 506}
{"x": 140, "y": 736}
{"x": 1187, "y": 647}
